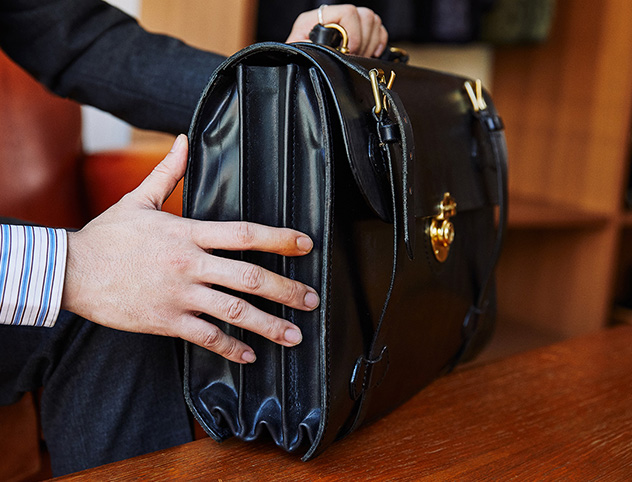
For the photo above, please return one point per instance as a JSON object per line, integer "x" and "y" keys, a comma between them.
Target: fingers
{"x": 373, "y": 33}
{"x": 252, "y": 279}
{"x": 210, "y": 337}
{"x": 245, "y": 278}
{"x": 367, "y": 35}
{"x": 237, "y": 312}
{"x": 368, "y": 21}
{"x": 245, "y": 236}
{"x": 383, "y": 41}
{"x": 348, "y": 17}
{"x": 161, "y": 182}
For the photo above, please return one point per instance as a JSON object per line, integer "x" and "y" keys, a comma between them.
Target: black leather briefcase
{"x": 397, "y": 185}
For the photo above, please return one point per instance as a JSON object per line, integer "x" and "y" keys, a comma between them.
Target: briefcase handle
{"x": 335, "y": 36}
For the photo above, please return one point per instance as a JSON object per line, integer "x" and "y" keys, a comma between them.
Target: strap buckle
{"x": 475, "y": 92}
{"x": 365, "y": 376}
{"x": 377, "y": 77}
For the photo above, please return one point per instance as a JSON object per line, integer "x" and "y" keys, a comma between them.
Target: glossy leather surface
{"x": 285, "y": 135}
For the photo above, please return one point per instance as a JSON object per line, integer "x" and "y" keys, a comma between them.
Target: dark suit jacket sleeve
{"x": 92, "y": 52}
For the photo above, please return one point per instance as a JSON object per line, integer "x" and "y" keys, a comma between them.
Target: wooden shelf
{"x": 567, "y": 105}
{"x": 527, "y": 213}
{"x": 626, "y": 219}
{"x": 622, "y": 315}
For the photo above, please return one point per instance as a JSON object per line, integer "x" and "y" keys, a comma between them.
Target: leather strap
{"x": 403, "y": 164}
{"x": 492, "y": 128}
{"x": 363, "y": 378}
{"x": 397, "y": 145}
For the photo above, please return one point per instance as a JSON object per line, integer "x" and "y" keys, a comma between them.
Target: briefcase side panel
{"x": 275, "y": 172}
{"x": 212, "y": 191}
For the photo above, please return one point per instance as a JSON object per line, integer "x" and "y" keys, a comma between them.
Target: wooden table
{"x": 560, "y": 412}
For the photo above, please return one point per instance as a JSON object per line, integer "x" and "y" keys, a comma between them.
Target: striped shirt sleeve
{"x": 32, "y": 269}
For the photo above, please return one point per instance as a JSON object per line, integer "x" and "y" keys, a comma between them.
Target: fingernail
{"x": 378, "y": 50}
{"x": 311, "y": 300}
{"x": 248, "y": 356}
{"x": 293, "y": 336}
{"x": 177, "y": 143}
{"x": 304, "y": 243}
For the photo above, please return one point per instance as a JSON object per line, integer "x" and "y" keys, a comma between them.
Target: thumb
{"x": 158, "y": 186}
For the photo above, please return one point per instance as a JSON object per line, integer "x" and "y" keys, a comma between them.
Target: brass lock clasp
{"x": 441, "y": 229}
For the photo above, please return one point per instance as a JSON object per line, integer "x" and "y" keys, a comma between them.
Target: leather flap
{"x": 444, "y": 150}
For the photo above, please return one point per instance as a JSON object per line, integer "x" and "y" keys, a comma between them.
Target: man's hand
{"x": 136, "y": 268}
{"x": 367, "y": 35}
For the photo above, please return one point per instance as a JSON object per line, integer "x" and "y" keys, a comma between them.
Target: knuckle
{"x": 128, "y": 197}
{"x": 179, "y": 261}
{"x": 365, "y": 12}
{"x": 272, "y": 329}
{"x": 252, "y": 277}
{"x": 366, "y": 15}
{"x": 232, "y": 348}
{"x": 236, "y": 311}
{"x": 245, "y": 234}
{"x": 292, "y": 293}
{"x": 212, "y": 337}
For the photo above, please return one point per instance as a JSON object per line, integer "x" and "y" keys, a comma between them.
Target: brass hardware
{"x": 441, "y": 229}
{"x": 344, "y": 47}
{"x": 477, "y": 99}
{"x": 377, "y": 77}
{"x": 400, "y": 53}
{"x": 391, "y": 81}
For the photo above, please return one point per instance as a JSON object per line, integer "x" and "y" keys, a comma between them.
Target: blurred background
{"x": 432, "y": 29}
{"x": 560, "y": 73}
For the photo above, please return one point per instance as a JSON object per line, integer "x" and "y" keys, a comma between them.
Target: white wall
{"x": 102, "y": 131}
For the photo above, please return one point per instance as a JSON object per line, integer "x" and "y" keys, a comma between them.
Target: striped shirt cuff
{"x": 32, "y": 269}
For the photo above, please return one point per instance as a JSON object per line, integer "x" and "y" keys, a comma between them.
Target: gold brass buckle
{"x": 377, "y": 77}
{"x": 441, "y": 230}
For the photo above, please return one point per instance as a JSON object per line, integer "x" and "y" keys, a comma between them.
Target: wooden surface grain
{"x": 562, "y": 412}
